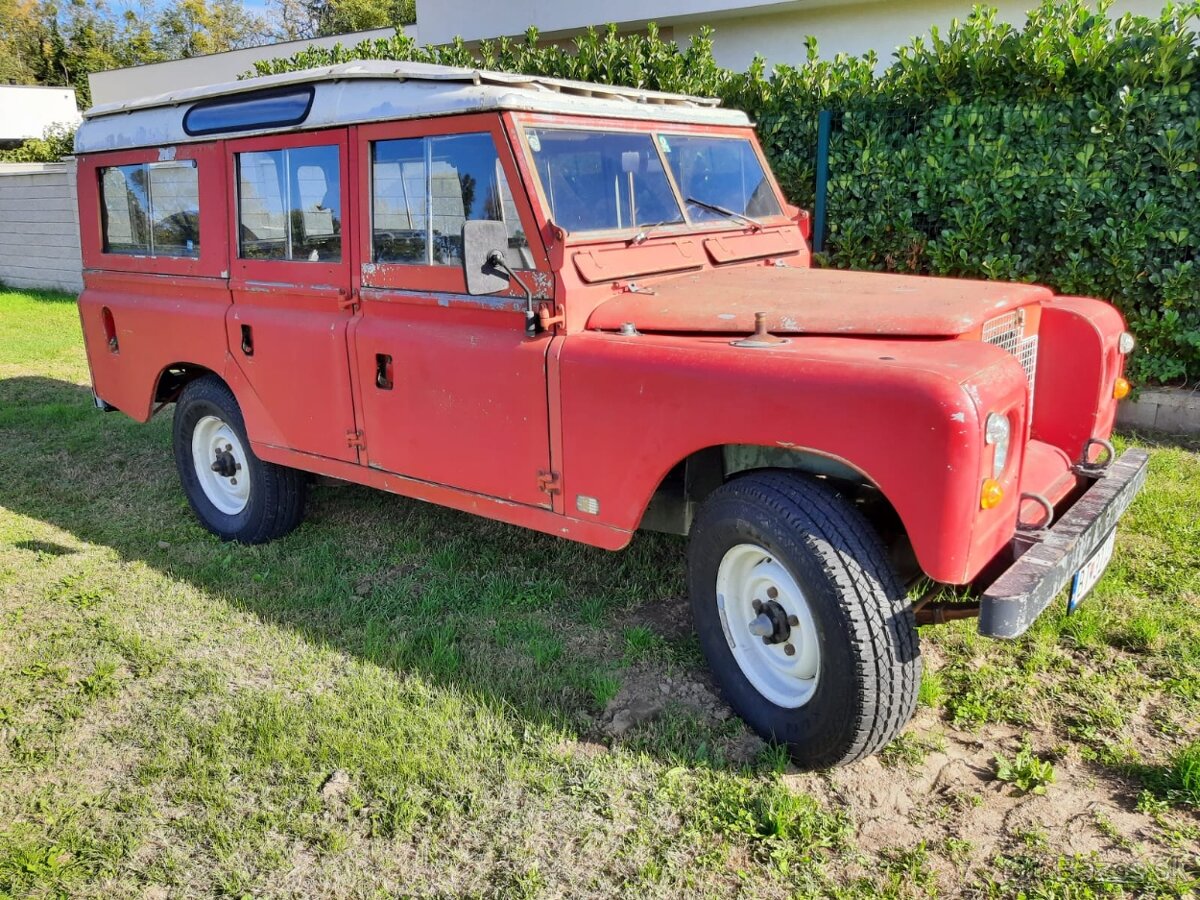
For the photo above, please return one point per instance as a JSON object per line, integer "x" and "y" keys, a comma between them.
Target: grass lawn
{"x": 403, "y": 700}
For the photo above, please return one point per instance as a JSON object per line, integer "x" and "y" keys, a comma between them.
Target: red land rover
{"x": 588, "y": 310}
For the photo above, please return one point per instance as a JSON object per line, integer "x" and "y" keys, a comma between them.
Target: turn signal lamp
{"x": 991, "y": 495}
{"x": 1121, "y": 389}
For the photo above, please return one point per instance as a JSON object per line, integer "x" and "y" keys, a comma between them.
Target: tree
{"x": 198, "y": 27}
{"x": 300, "y": 19}
{"x": 19, "y": 29}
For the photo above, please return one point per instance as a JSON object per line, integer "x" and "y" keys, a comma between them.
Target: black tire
{"x": 277, "y": 494}
{"x": 870, "y": 665}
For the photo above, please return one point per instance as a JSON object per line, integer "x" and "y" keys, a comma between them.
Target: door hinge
{"x": 348, "y": 300}
{"x": 548, "y": 483}
{"x": 355, "y": 439}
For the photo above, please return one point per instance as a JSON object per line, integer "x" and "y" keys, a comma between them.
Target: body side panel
{"x": 907, "y": 414}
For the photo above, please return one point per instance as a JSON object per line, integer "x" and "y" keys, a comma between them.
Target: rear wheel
{"x": 801, "y": 618}
{"x": 234, "y": 494}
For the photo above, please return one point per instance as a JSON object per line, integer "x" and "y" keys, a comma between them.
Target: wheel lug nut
{"x": 789, "y": 649}
{"x": 772, "y": 593}
{"x": 757, "y": 606}
{"x": 792, "y": 620}
{"x": 766, "y": 639}
{"x": 233, "y": 481}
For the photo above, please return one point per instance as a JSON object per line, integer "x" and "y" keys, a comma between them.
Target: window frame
{"x": 423, "y": 276}
{"x": 690, "y": 226}
{"x": 148, "y": 167}
{"x": 295, "y": 272}
{"x": 212, "y": 260}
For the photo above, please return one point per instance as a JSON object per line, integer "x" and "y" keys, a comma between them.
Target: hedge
{"x": 1065, "y": 152}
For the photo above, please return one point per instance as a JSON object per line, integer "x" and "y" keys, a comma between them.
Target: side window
{"x": 151, "y": 209}
{"x": 424, "y": 189}
{"x": 290, "y": 204}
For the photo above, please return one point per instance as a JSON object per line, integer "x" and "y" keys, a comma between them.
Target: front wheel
{"x": 234, "y": 494}
{"x": 801, "y": 618}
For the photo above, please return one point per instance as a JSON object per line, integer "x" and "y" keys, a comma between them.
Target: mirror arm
{"x": 496, "y": 261}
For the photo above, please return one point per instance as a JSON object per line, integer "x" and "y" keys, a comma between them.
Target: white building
{"x": 26, "y": 111}
{"x": 776, "y": 29}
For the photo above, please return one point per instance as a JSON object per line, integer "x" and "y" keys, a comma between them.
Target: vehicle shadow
{"x": 530, "y": 621}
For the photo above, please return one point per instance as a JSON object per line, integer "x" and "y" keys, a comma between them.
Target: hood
{"x": 814, "y": 301}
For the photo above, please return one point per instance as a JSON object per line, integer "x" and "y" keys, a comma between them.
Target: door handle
{"x": 383, "y": 371}
{"x": 247, "y": 340}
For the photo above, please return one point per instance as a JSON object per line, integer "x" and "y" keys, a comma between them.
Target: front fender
{"x": 908, "y": 414}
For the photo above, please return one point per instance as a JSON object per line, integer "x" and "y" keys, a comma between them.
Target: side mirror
{"x": 481, "y": 240}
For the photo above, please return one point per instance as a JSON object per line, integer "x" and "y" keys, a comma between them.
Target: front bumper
{"x": 1020, "y": 594}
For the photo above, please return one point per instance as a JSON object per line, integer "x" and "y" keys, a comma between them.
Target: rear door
{"x": 451, "y": 391}
{"x": 291, "y": 287}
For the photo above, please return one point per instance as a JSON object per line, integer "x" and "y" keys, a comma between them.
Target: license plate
{"x": 1085, "y": 579}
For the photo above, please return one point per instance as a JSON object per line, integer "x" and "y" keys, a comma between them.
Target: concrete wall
{"x": 26, "y": 111}
{"x": 39, "y": 229}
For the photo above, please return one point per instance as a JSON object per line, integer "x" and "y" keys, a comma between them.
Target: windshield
{"x": 601, "y": 180}
{"x": 615, "y": 180}
{"x": 719, "y": 172}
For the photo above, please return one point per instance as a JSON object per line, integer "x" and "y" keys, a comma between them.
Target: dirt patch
{"x": 646, "y": 692}
{"x": 953, "y": 802}
{"x": 670, "y": 618}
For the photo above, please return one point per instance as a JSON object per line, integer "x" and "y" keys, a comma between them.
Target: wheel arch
{"x": 679, "y": 493}
{"x": 173, "y": 378}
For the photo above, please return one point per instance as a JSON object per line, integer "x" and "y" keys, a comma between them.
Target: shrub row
{"x": 1064, "y": 152}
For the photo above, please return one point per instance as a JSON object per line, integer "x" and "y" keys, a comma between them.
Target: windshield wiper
{"x": 647, "y": 230}
{"x": 727, "y": 213}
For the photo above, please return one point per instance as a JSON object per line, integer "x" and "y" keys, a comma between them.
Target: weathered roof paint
{"x": 380, "y": 90}
{"x": 814, "y": 301}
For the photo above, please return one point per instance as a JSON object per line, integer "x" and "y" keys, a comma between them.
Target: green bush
{"x": 1066, "y": 152}
{"x": 57, "y": 141}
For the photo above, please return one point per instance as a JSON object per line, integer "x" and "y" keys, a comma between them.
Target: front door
{"x": 451, "y": 391}
{"x": 290, "y": 280}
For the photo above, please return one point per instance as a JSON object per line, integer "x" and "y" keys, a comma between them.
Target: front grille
{"x": 1008, "y": 333}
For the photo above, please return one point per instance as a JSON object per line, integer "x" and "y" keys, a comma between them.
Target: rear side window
{"x": 261, "y": 109}
{"x": 290, "y": 204}
{"x": 424, "y": 189}
{"x": 151, "y": 209}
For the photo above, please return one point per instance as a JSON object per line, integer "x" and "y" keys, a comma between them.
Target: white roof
{"x": 381, "y": 90}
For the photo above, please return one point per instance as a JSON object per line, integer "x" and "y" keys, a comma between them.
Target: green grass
{"x": 173, "y": 709}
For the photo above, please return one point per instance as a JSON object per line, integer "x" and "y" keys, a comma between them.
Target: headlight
{"x": 1126, "y": 343}
{"x": 997, "y": 432}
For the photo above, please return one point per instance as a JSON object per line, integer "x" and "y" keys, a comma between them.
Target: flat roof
{"x": 382, "y": 90}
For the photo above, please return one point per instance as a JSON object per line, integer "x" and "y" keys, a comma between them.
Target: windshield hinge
{"x": 548, "y": 482}
{"x": 354, "y": 438}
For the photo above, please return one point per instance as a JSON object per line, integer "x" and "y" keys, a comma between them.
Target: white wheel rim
{"x": 748, "y": 573}
{"x": 213, "y": 441}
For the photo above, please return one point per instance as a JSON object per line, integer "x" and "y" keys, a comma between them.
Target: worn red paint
{"x": 886, "y": 374}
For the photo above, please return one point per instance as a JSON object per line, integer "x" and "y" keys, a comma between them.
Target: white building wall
{"x": 39, "y": 229}
{"x": 26, "y": 111}
{"x": 854, "y": 28}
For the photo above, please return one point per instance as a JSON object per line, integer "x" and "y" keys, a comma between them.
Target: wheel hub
{"x": 771, "y": 624}
{"x": 218, "y": 458}
{"x": 768, "y": 625}
{"x": 225, "y": 465}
